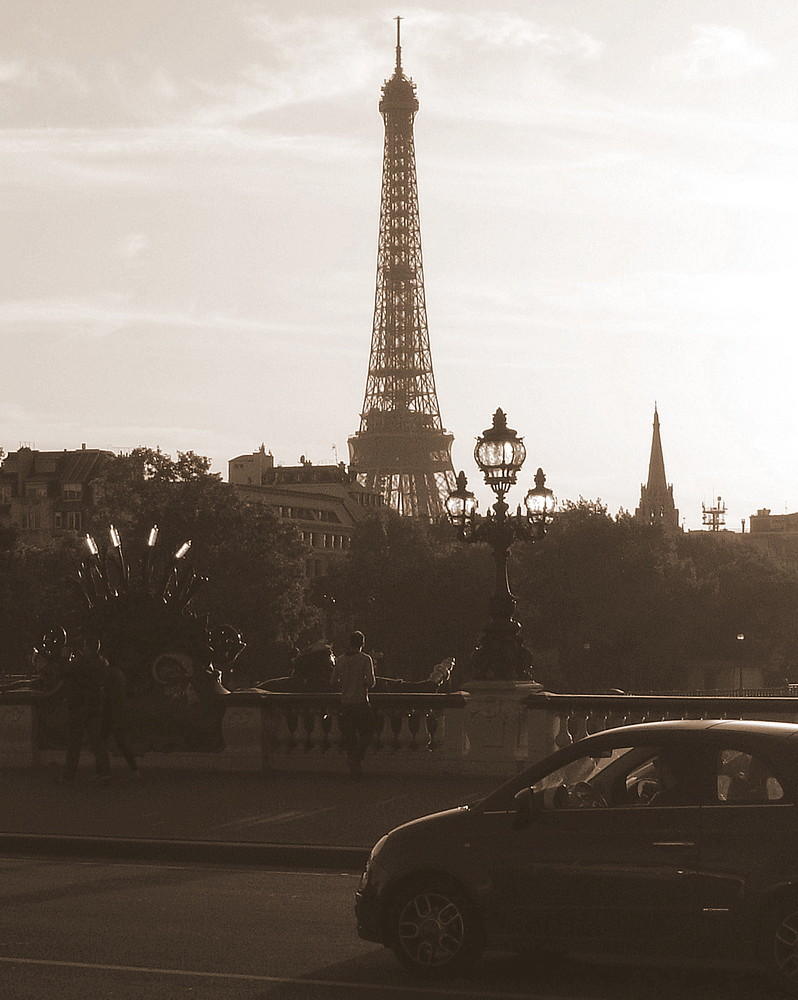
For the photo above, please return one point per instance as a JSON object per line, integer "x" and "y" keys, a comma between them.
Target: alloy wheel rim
{"x": 431, "y": 929}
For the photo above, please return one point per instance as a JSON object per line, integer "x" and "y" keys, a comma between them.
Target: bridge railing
{"x": 557, "y": 720}
{"x": 417, "y": 733}
{"x": 422, "y": 733}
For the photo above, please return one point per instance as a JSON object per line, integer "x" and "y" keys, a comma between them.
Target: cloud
{"x": 133, "y": 245}
{"x": 105, "y": 315}
{"x": 11, "y": 71}
{"x": 717, "y": 53}
{"x": 506, "y": 31}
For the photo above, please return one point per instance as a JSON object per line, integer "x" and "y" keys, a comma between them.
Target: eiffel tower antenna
{"x": 401, "y": 449}
{"x": 398, "y": 47}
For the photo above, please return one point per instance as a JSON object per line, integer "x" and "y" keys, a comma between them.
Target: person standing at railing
{"x": 354, "y": 674}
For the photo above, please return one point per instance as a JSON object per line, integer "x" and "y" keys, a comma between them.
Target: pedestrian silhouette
{"x": 84, "y": 679}
{"x": 354, "y": 674}
{"x": 114, "y": 716}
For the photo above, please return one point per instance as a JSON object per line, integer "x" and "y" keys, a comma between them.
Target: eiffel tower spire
{"x": 656, "y": 497}
{"x": 401, "y": 449}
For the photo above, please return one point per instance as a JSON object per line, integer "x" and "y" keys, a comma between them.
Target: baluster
{"x": 431, "y": 719}
{"x": 597, "y": 721}
{"x": 397, "y": 718}
{"x": 563, "y": 737}
{"x": 291, "y": 720}
{"x": 309, "y": 724}
{"x": 379, "y": 725}
{"x": 578, "y": 725}
{"x": 615, "y": 719}
{"x": 413, "y": 725}
{"x": 326, "y": 725}
{"x": 335, "y": 736}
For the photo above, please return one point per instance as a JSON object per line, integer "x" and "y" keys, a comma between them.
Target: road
{"x": 113, "y": 931}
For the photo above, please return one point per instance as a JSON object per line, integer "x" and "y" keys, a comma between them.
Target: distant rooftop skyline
{"x": 608, "y": 208}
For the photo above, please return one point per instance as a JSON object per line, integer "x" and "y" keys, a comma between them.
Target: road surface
{"x": 72, "y": 929}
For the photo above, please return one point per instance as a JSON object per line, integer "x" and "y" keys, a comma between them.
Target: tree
{"x": 37, "y": 590}
{"x": 418, "y": 595}
{"x": 615, "y": 603}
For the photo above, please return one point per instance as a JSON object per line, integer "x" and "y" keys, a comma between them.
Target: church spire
{"x": 656, "y": 496}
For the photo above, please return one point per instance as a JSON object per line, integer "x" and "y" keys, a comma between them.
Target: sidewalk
{"x": 197, "y": 809}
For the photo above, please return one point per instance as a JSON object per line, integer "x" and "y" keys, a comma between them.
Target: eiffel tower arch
{"x": 401, "y": 449}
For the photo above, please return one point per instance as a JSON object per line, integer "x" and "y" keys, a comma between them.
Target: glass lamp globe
{"x": 540, "y": 502}
{"x": 461, "y": 505}
{"x": 500, "y": 453}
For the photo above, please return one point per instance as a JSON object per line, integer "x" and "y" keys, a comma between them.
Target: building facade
{"x": 45, "y": 495}
{"x": 323, "y": 502}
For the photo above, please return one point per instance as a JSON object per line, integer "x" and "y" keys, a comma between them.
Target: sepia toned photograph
{"x": 398, "y": 505}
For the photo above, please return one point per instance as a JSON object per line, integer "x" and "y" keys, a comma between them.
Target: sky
{"x": 608, "y": 193}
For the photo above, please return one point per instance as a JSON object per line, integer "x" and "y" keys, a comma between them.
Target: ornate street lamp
{"x": 500, "y": 453}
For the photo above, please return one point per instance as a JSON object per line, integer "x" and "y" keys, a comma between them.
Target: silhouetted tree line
{"x": 610, "y": 602}
{"x": 605, "y": 601}
{"x": 254, "y": 563}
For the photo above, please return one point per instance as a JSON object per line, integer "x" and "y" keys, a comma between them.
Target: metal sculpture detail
{"x": 174, "y": 665}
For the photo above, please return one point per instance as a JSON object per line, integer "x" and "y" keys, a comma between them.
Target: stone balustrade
{"x": 494, "y": 729}
{"x": 421, "y": 733}
{"x": 557, "y": 720}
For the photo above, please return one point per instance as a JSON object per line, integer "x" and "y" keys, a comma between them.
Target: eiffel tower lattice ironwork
{"x": 401, "y": 450}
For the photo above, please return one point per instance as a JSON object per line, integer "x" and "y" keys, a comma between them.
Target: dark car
{"x": 649, "y": 838}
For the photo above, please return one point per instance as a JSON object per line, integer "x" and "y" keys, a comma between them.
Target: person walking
{"x": 354, "y": 674}
{"x": 84, "y": 681}
{"x": 114, "y": 716}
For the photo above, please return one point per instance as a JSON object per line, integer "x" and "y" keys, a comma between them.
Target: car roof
{"x": 739, "y": 727}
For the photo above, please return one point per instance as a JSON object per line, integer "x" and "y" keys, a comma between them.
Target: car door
{"x": 748, "y": 829}
{"x": 622, "y": 869}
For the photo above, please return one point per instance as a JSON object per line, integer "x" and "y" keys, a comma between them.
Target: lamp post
{"x": 500, "y": 453}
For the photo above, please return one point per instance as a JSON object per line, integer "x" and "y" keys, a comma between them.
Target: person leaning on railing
{"x": 354, "y": 674}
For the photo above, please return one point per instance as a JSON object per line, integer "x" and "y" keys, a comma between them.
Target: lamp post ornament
{"x": 500, "y": 453}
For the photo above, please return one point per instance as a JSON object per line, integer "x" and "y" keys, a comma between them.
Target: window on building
{"x": 71, "y": 491}
{"x": 35, "y": 491}
{"x": 5, "y": 493}
{"x": 31, "y": 520}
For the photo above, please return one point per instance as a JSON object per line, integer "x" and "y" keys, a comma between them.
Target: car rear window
{"x": 743, "y": 779}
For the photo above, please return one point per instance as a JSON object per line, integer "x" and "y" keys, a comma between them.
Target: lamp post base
{"x": 501, "y": 655}
{"x": 496, "y": 724}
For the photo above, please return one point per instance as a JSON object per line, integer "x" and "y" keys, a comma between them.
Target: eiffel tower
{"x": 401, "y": 449}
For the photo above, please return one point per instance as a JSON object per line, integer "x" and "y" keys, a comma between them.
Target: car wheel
{"x": 434, "y": 929}
{"x": 781, "y": 952}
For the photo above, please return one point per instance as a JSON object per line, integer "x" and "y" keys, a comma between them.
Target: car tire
{"x": 435, "y": 929}
{"x": 780, "y": 951}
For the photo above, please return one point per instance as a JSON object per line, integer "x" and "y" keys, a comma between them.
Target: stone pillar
{"x": 496, "y": 723}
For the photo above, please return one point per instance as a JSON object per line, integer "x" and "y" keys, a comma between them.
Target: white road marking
{"x": 283, "y": 817}
{"x": 283, "y": 980}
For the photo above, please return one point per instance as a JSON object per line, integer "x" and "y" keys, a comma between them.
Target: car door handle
{"x": 673, "y": 843}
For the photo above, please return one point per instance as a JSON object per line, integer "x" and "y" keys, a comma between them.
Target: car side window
{"x": 625, "y": 776}
{"x": 668, "y": 777}
{"x": 745, "y": 779}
